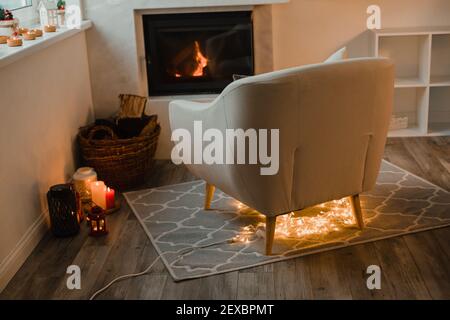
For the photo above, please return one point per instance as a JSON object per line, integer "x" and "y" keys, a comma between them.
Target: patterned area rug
{"x": 231, "y": 237}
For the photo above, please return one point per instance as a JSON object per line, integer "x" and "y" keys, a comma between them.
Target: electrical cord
{"x": 147, "y": 270}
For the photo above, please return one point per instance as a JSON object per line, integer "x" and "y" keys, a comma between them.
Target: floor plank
{"x": 256, "y": 286}
{"x": 292, "y": 280}
{"x": 428, "y": 158}
{"x": 402, "y": 276}
{"x": 326, "y": 280}
{"x": 432, "y": 262}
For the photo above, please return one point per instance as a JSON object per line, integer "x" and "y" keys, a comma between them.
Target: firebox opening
{"x": 197, "y": 53}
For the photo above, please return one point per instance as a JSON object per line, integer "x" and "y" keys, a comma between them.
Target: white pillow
{"x": 339, "y": 55}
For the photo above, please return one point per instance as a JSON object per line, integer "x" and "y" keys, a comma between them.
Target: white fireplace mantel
{"x": 173, "y": 4}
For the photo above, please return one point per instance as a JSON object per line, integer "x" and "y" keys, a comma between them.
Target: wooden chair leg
{"x": 209, "y": 195}
{"x": 356, "y": 209}
{"x": 270, "y": 233}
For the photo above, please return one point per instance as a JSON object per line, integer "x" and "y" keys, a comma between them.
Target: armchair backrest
{"x": 333, "y": 120}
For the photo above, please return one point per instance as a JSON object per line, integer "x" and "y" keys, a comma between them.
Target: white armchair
{"x": 333, "y": 120}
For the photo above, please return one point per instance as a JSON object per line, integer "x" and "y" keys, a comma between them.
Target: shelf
{"x": 439, "y": 110}
{"x": 440, "y": 60}
{"x": 409, "y": 132}
{"x": 434, "y": 130}
{"x": 422, "y": 70}
{"x": 440, "y": 81}
{"x": 412, "y": 102}
{"x": 409, "y": 82}
{"x": 439, "y": 129}
{"x": 413, "y": 31}
{"x": 410, "y": 54}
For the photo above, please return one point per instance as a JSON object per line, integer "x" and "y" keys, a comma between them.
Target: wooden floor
{"x": 415, "y": 266}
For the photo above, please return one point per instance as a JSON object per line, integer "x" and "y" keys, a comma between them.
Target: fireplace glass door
{"x": 197, "y": 53}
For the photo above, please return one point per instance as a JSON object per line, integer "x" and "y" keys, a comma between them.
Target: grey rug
{"x": 174, "y": 219}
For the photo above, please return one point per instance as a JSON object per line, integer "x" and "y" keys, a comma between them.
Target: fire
{"x": 189, "y": 62}
{"x": 201, "y": 60}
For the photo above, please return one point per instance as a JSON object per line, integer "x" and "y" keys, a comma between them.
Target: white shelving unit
{"x": 422, "y": 85}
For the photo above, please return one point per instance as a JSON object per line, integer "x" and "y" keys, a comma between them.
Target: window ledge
{"x": 9, "y": 55}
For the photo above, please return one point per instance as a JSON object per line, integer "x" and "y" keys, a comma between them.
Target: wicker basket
{"x": 121, "y": 163}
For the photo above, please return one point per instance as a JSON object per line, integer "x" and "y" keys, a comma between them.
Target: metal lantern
{"x": 65, "y": 210}
{"x": 97, "y": 222}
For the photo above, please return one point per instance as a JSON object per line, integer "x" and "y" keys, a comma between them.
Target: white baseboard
{"x": 12, "y": 263}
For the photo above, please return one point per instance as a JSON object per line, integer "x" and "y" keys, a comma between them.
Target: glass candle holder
{"x": 82, "y": 180}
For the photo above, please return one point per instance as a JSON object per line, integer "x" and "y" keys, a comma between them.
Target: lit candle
{"x": 98, "y": 190}
{"x": 50, "y": 28}
{"x": 37, "y": 32}
{"x": 14, "y": 41}
{"x": 30, "y": 35}
{"x": 22, "y": 30}
{"x": 110, "y": 199}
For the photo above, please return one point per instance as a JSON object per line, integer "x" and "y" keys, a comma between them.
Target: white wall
{"x": 308, "y": 31}
{"x": 45, "y": 98}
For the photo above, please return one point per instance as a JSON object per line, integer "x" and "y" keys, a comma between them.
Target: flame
{"x": 201, "y": 60}
{"x": 190, "y": 62}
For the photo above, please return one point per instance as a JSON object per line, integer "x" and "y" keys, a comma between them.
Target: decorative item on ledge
{"x": 37, "y": 32}
{"x": 22, "y": 31}
{"x": 3, "y": 39}
{"x": 48, "y": 13}
{"x": 14, "y": 42}
{"x": 29, "y": 36}
{"x": 5, "y": 15}
{"x": 61, "y": 5}
{"x": 65, "y": 210}
{"x": 61, "y": 13}
{"x": 82, "y": 180}
{"x": 7, "y": 22}
{"x": 49, "y": 28}
{"x": 97, "y": 222}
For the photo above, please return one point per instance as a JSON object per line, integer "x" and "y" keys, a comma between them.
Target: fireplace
{"x": 197, "y": 52}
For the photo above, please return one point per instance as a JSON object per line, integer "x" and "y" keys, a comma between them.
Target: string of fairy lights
{"x": 331, "y": 217}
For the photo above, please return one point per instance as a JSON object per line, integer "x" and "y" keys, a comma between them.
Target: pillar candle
{"x": 98, "y": 191}
{"x": 110, "y": 199}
